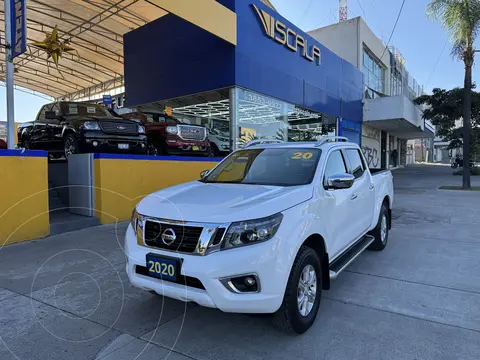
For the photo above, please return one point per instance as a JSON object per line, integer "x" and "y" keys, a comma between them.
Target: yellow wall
{"x": 23, "y": 196}
{"x": 121, "y": 183}
{"x": 206, "y": 14}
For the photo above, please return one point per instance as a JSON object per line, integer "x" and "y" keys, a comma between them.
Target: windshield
{"x": 83, "y": 109}
{"x": 160, "y": 118}
{"x": 271, "y": 166}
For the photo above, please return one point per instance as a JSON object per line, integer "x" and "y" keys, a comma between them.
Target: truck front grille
{"x": 186, "y": 237}
{"x": 118, "y": 128}
{"x": 192, "y": 132}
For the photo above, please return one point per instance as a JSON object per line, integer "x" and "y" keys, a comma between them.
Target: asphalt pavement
{"x": 67, "y": 296}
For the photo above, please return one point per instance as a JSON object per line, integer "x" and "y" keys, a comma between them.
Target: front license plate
{"x": 195, "y": 148}
{"x": 162, "y": 268}
{"x": 123, "y": 146}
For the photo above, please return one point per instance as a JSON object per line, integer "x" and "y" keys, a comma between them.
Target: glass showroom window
{"x": 264, "y": 117}
{"x": 209, "y": 110}
{"x": 374, "y": 75}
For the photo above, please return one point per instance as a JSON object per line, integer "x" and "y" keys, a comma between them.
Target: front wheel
{"x": 26, "y": 144}
{"x": 70, "y": 145}
{"x": 302, "y": 297}
{"x": 454, "y": 165}
{"x": 153, "y": 150}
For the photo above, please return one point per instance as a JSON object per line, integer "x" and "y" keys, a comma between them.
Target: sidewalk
{"x": 67, "y": 296}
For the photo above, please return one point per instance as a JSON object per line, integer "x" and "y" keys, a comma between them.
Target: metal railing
{"x": 262, "y": 141}
{"x": 326, "y": 139}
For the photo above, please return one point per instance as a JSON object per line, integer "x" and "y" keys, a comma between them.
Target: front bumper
{"x": 94, "y": 141}
{"x": 177, "y": 146}
{"x": 259, "y": 259}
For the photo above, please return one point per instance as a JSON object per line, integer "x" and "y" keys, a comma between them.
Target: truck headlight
{"x": 172, "y": 129}
{"x": 136, "y": 220}
{"x": 91, "y": 125}
{"x": 252, "y": 231}
{"x": 141, "y": 129}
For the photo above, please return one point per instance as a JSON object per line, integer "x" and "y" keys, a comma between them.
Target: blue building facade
{"x": 277, "y": 82}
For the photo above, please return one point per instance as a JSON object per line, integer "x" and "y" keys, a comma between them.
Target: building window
{"x": 374, "y": 75}
{"x": 264, "y": 117}
{"x": 396, "y": 83}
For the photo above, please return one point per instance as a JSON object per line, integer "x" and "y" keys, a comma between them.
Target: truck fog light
{"x": 95, "y": 143}
{"x": 246, "y": 284}
{"x": 249, "y": 281}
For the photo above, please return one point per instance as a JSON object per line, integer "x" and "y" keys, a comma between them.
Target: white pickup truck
{"x": 264, "y": 231}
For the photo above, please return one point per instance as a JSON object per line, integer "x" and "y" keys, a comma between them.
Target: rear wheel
{"x": 381, "y": 230}
{"x": 302, "y": 296}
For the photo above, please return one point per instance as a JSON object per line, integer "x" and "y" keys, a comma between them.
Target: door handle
{"x": 372, "y": 186}
{"x": 353, "y": 197}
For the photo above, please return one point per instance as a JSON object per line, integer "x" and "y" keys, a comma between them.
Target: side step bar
{"x": 348, "y": 256}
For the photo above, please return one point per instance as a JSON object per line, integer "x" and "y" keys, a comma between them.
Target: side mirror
{"x": 204, "y": 173}
{"x": 50, "y": 115}
{"x": 340, "y": 181}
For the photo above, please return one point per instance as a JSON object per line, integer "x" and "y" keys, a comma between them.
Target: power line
{"x": 393, "y": 30}
{"x": 363, "y": 10}
{"x": 306, "y": 12}
{"x": 436, "y": 64}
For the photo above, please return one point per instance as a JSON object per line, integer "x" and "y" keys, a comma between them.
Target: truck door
{"x": 336, "y": 209}
{"x": 39, "y": 130}
{"x": 54, "y": 129}
{"x": 362, "y": 199}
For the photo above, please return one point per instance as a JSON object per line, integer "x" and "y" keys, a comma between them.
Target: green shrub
{"x": 475, "y": 171}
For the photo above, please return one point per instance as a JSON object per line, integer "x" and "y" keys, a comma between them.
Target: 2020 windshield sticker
{"x": 302, "y": 155}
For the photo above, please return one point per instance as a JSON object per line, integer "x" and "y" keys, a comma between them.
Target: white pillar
{"x": 234, "y": 118}
{"x": 9, "y": 77}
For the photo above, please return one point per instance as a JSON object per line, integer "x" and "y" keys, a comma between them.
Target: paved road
{"x": 66, "y": 297}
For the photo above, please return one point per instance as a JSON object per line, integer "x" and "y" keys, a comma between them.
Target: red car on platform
{"x": 167, "y": 135}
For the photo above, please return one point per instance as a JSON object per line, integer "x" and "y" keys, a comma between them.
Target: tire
{"x": 381, "y": 236}
{"x": 71, "y": 142}
{"x": 26, "y": 144}
{"x": 288, "y": 317}
{"x": 153, "y": 150}
{"x": 214, "y": 150}
{"x": 454, "y": 165}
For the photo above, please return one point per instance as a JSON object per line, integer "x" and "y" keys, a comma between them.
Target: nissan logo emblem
{"x": 168, "y": 236}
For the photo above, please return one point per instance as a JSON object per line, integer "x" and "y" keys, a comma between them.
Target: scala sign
{"x": 18, "y": 27}
{"x": 278, "y": 31}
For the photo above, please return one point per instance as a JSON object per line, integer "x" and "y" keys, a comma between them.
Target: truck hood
{"x": 221, "y": 203}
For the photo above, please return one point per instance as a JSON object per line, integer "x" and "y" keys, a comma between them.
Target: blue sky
{"x": 419, "y": 39}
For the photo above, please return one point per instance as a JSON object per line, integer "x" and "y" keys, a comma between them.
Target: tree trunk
{"x": 467, "y": 110}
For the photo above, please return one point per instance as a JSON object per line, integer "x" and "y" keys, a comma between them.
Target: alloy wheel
{"x": 383, "y": 228}
{"x": 307, "y": 290}
{"x": 69, "y": 147}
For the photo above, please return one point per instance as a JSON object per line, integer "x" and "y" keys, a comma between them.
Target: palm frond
{"x": 461, "y": 19}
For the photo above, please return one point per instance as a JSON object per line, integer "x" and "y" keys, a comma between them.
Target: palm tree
{"x": 461, "y": 18}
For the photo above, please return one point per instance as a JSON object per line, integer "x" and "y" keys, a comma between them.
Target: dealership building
{"x": 235, "y": 66}
{"x": 271, "y": 86}
{"x": 276, "y": 82}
